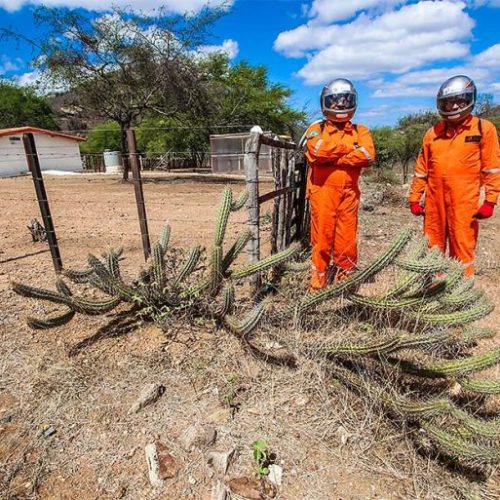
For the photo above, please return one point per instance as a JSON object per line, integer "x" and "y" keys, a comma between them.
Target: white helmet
{"x": 456, "y": 98}
{"x": 339, "y": 100}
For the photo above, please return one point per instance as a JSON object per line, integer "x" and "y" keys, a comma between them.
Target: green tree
{"x": 237, "y": 96}
{"x": 246, "y": 96}
{"x": 120, "y": 65}
{"x": 407, "y": 144}
{"x": 20, "y": 106}
{"x": 425, "y": 118}
{"x": 102, "y": 137}
{"x": 408, "y": 136}
{"x": 384, "y": 138}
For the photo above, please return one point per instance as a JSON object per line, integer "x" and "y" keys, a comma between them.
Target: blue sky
{"x": 397, "y": 52}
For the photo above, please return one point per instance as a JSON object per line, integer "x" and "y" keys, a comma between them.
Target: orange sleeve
{"x": 490, "y": 162}
{"x": 320, "y": 148}
{"x": 363, "y": 154}
{"x": 419, "y": 182}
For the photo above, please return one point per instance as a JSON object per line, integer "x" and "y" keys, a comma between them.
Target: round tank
{"x": 112, "y": 161}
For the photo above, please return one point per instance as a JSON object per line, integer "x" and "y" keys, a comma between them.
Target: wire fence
{"x": 87, "y": 214}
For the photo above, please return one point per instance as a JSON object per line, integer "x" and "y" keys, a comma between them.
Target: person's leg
{"x": 324, "y": 203}
{"x": 345, "y": 248}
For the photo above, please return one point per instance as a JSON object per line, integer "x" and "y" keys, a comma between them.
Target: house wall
{"x": 54, "y": 153}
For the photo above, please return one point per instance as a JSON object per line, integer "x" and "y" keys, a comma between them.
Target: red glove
{"x": 416, "y": 208}
{"x": 485, "y": 211}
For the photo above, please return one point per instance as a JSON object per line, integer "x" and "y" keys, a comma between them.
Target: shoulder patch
{"x": 472, "y": 138}
{"x": 312, "y": 134}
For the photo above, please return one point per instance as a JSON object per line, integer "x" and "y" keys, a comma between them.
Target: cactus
{"x": 42, "y": 294}
{"x": 459, "y": 299}
{"x": 422, "y": 267}
{"x": 240, "y": 202}
{"x": 267, "y": 263}
{"x": 112, "y": 260}
{"x": 223, "y": 216}
{"x": 455, "y": 318}
{"x": 228, "y": 298}
{"x": 357, "y": 278}
{"x": 52, "y": 322}
{"x": 235, "y": 250}
{"x": 452, "y": 368}
{"x": 158, "y": 268}
{"x": 216, "y": 267}
{"x": 248, "y": 324}
{"x": 424, "y": 307}
{"x": 459, "y": 447}
{"x": 160, "y": 293}
{"x": 380, "y": 347}
{"x": 189, "y": 266}
{"x": 391, "y": 344}
{"x": 164, "y": 238}
{"x": 480, "y": 386}
{"x": 78, "y": 276}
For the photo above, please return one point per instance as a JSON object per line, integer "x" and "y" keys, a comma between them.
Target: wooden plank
{"x": 277, "y": 143}
{"x": 273, "y": 194}
{"x": 252, "y": 148}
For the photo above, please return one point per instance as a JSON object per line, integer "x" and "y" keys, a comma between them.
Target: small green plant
{"x": 263, "y": 458}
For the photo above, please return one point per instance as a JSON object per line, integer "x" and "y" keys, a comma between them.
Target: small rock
{"x": 275, "y": 475}
{"x": 245, "y": 487}
{"x": 254, "y": 411}
{"x": 191, "y": 480}
{"x": 149, "y": 395}
{"x": 220, "y": 461}
{"x": 6, "y": 419}
{"x": 50, "y": 431}
{"x": 153, "y": 466}
{"x": 168, "y": 465}
{"x": 197, "y": 436}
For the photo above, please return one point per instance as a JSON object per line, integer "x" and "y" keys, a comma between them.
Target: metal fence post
{"x": 139, "y": 194}
{"x": 43, "y": 202}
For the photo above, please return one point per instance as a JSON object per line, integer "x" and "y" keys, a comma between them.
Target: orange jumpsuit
{"x": 454, "y": 163}
{"x": 336, "y": 153}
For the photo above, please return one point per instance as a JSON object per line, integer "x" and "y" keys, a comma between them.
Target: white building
{"x": 56, "y": 151}
{"x": 227, "y": 153}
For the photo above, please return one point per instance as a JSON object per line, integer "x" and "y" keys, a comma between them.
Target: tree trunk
{"x": 124, "y": 147}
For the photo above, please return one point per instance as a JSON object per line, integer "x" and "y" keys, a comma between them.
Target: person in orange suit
{"x": 336, "y": 150}
{"x": 459, "y": 156}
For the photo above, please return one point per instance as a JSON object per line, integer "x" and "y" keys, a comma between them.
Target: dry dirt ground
{"x": 329, "y": 445}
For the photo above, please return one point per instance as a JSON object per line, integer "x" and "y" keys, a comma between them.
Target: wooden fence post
{"x": 43, "y": 202}
{"x": 139, "y": 194}
{"x": 252, "y": 148}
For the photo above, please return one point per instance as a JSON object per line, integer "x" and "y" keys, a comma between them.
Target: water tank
{"x": 112, "y": 162}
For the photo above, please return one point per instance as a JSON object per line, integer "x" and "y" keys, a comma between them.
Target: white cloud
{"x": 28, "y": 79}
{"x": 102, "y": 5}
{"x": 483, "y": 68}
{"x": 230, "y": 47}
{"x": 392, "y": 42}
{"x": 384, "y": 110}
{"x": 327, "y": 10}
{"x": 7, "y": 64}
